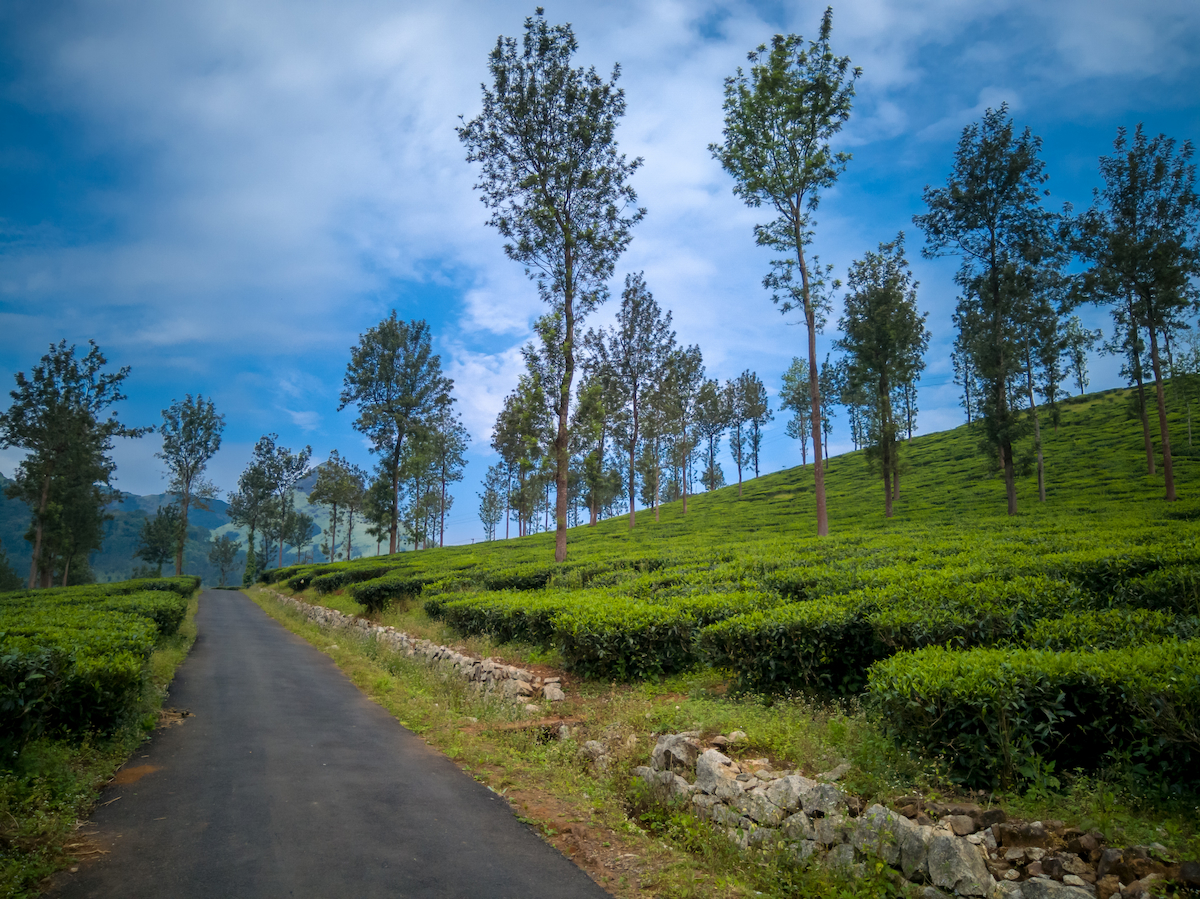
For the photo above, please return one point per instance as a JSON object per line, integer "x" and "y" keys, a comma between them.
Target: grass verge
{"x": 53, "y": 785}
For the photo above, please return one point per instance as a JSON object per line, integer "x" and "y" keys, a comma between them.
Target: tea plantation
{"x": 1067, "y": 634}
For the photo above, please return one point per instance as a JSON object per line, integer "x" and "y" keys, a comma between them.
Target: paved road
{"x": 289, "y": 782}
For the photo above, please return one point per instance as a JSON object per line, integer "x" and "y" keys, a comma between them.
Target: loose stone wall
{"x": 489, "y": 675}
{"x": 968, "y": 851}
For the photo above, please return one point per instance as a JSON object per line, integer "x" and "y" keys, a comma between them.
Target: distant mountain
{"x": 115, "y": 560}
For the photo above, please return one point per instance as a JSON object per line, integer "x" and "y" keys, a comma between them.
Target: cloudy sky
{"x": 225, "y": 195}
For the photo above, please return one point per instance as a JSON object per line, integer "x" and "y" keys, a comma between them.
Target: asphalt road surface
{"x": 288, "y": 782}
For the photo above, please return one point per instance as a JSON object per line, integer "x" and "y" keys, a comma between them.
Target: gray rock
{"x": 960, "y": 824}
{"x": 716, "y": 774}
{"x": 788, "y": 792}
{"x": 840, "y": 857}
{"x": 728, "y": 818}
{"x": 1039, "y": 888}
{"x": 665, "y": 786}
{"x": 933, "y": 893}
{"x": 755, "y": 805}
{"x": 822, "y": 799}
{"x": 877, "y": 833}
{"x": 675, "y": 752}
{"x": 799, "y": 827}
{"x": 957, "y": 865}
{"x": 704, "y": 805}
{"x": 836, "y": 774}
{"x": 1006, "y": 889}
{"x": 553, "y": 692}
{"x": 803, "y": 851}
{"x": 914, "y": 848}
{"x": 833, "y": 830}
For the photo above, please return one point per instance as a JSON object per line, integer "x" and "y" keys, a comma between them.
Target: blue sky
{"x": 224, "y": 195}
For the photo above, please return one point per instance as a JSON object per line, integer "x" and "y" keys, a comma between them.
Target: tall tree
{"x": 56, "y": 418}
{"x": 779, "y": 121}
{"x": 249, "y": 505}
{"x": 396, "y": 381}
{"x": 491, "y": 500}
{"x": 636, "y": 349}
{"x": 287, "y": 469}
{"x": 794, "y": 395}
{"x": 450, "y": 439}
{"x": 712, "y": 421}
{"x": 557, "y": 187}
{"x": 191, "y": 435}
{"x": 884, "y": 338}
{"x": 159, "y": 536}
{"x": 1142, "y": 235}
{"x": 334, "y": 485}
{"x": 682, "y": 382}
{"x": 222, "y": 553}
{"x": 990, "y": 214}
{"x": 1077, "y": 342}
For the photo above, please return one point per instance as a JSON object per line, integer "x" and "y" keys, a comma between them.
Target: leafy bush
{"x": 993, "y": 711}
{"x": 1109, "y": 629}
{"x": 344, "y": 576}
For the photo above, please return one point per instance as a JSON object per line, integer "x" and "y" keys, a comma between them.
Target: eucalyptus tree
{"x": 491, "y": 500}
{"x": 519, "y": 437}
{"x": 249, "y": 505}
{"x": 794, "y": 395}
{"x": 56, "y": 418}
{"x": 333, "y": 484}
{"x": 683, "y": 378}
{"x": 650, "y": 456}
{"x": 222, "y": 554}
{"x": 450, "y": 440}
{"x": 635, "y": 350}
{"x": 395, "y": 379}
{"x": 884, "y": 339}
{"x": 286, "y": 470}
{"x": 779, "y": 121}
{"x": 713, "y": 411}
{"x": 990, "y": 214}
{"x": 757, "y": 406}
{"x": 962, "y": 361}
{"x": 1077, "y": 342}
{"x": 558, "y": 190}
{"x": 1142, "y": 236}
{"x": 191, "y": 435}
{"x": 158, "y": 537}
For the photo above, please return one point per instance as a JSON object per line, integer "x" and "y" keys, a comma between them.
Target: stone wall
{"x": 489, "y": 675}
{"x": 968, "y": 851}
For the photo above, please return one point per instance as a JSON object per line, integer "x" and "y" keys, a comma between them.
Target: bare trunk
{"x": 814, "y": 391}
{"x": 184, "y": 503}
{"x": 1037, "y": 429}
{"x": 1135, "y": 357}
{"x": 66, "y": 569}
{"x": 1164, "y": 435}
{"x": 632, "y": 448}
{"x": 888, "y": 443}
{"x": 333, "y": 533}
{"x": 349, "y": 534}
{"x": 1010, "y": 480}
{"x": 37, "y": 531}
{"x": 395, "y": 522}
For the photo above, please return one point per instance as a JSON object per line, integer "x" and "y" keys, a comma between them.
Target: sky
{"x": 225, "y": 195}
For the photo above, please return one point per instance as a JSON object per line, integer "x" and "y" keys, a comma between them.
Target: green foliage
{"x": 992, "y": 711}
{"x": 74, "y": 659}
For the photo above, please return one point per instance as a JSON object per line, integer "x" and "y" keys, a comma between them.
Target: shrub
{"x": 991, "y": 711}
{"x": 1109, "y": 629}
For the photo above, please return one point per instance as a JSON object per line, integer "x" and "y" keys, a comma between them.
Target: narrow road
{"x": 288, "y": 782}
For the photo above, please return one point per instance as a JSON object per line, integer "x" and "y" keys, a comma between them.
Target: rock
{"x": 1053, "y": 867}
{"x": 593, "y": 750}
{"x": 804, "y": 850}
{"x": 840, "y": 857}
{"x": 553, "y": 692}
{"x": 1040, "y": 888}
{"x": 514, "y": 689}
{"x": 933, "y": 893}
{"x": 716, "y": 774}
{"x": 564, "y": 732}
{"x": 530, "y": 707}
{"x": 665, "y": 786}
{"x": 914, "y": 849}
{"x": 727, "y": 817}
{"x": 1159, "y": 851}
{"x": 703, "y": 804}
{"x": 737, "y": 736}
{"x": 755, "y": 805}
{"x": 1141, "y": 887}
{"x": 1107, "y": 887}
{"x": 799, "y": 827}
{"x": 836, "y": 774}
{"x": 877, "y": 833}
{"x": 552, "y": 680}
{"x": 675, "y": 752}
{"x": 1073, "y": 880}
{"x": 719, "y": 741}
{"x": 909, "y": 810}
{"x": 833, "y": 829}
{"x": 960, "y": 824}
{"x": 1073, "y": 864}
{"x": 787, "y": 792}
{"x": 822, "y": 799}
{"x": 988, "y": 817}
{"x": 1012, "y": 874}
{"x": 1014, "y": 855}
{"x": 1189, "y": 873}
{"x": 957, "y": 865}
{"x": 1035, "y": 870}
{"x": 1006, "y": 890}
{"x": 1035, "y": 853}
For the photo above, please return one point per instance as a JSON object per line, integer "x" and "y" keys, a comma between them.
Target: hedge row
{"x": 991, "y": 712}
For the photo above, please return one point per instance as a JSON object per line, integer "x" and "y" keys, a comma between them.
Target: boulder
{"x": 788, "y": 792}
{"x": 877, "y": 833}
{"x": 799, "y": 827}
{"x": 716, "y": 774}
{"x": 665, "y": 786}
{"x": 1041, "y": 888}
{"x": 914, "y": 849}
{"x": 956, "y": 865}
{"x": 822, "y": 799}
{"x": 832, "y": 830}
{"x": 1107, "y": 887}
{"x": 755, "y": 805}
{"x": 675, "y": 752}
{"x": 553, "y": 692}
{"x": 703, "y": 804}
{"x": 960, "y": 824}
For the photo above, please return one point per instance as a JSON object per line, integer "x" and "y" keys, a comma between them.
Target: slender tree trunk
{"x": 738, "y": 459}
{"x": 349, "y": 534}
{"x": 507, "y": 501}
{"x": 1135, "y": 357}
{"x": 395, "y": 522}
{"x": 896, "y": 475}
{"x": 37, "y": 531}
{"x": 442, "y": 510}
{"x": 814, "y": 392}
{"x": 1037, "y": 428}
{"x": 184, "y": 503}
{"x": 1164, "y": 435}
{"x": 562, "y": 447}
{"x": 333, "y": 533}
{"x": 632, "y": 449}
{"x": 66, "y": 568}
{"x": 683, "y": 476}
